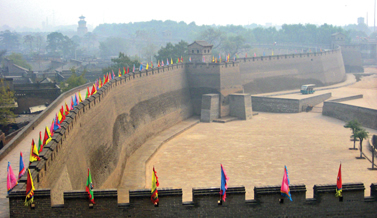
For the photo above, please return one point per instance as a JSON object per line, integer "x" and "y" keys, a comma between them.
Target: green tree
{"x": 112, "y": 46}
{"x": 121, "y": 61}
{"x": 28, "y": 41}
{"x": 58, "y": 44}
{"x": 172, "y": 51}
{"x": 234, "y": 44}
{"x": 361, "y": 134}
{"x": 355, "y": 126}
{"x": 73, "y": 81}
{"x": 19, "y": 60}
{"x": 6, "y": 104}
{"x": 9, "y": 40}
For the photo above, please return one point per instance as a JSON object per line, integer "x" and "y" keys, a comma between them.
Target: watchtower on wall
{"x": 200, "y": 52}
{"x": 337, "y": 39}
{"x": 82, "y": 29}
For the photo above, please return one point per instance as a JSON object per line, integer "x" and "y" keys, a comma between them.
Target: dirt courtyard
{"x": 254, "y": 152}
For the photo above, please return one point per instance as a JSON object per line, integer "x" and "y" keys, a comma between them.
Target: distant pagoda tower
{"x": 82, "y": 30}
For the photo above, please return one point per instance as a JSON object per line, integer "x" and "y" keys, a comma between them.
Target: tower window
{"x": 204, "y": 51}
{"x": 197, "y": 51}
{"x": 192, "y": 51}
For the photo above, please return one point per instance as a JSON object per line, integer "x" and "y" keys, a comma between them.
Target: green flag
{"x": 89, "y": 187}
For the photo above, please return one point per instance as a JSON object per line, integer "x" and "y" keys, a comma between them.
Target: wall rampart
{"x": 205, "y": 203}
{"x": 283, "y": 72}
{"x": 116, "y": 120}
{"x": 366, "y": 116}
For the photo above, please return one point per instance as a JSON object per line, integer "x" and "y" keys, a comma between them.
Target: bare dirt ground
{"x": 254, "y": 152}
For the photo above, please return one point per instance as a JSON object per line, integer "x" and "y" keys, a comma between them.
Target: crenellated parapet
{"x": 267, "y": 202}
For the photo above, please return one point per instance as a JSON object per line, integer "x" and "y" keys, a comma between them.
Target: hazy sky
{"x": 31, "y": 13}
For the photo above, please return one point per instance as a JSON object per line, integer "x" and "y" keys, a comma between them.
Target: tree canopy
{"x": 60, "y": 45}
{"x": 19, "y": 60}
{"x": 121, "y": 61}
{"x": 6, "y": 102}
{"x": 172, "y": 51}
{"x": 73, "y": 81}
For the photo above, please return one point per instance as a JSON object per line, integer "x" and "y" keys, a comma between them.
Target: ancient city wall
{"x": 366, "y": 116}
{"x": 284, "y": 72}
{"x": 105, "y": 129}
{"x": 52, "y": 108}
{"x": 353, "y": 61}
{"x": 266, "y": 203}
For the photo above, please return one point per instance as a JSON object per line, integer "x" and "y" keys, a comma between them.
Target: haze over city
{"x": 31, "y": 14}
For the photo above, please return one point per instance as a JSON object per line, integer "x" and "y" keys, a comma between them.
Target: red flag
{"x": 339, "y": 183}
{"x": 128, "y": 69}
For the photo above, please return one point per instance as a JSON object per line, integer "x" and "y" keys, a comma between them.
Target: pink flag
{"x": 52, "y": 127}
{"x": 285, "y": 185}
{"x": 255, "y": 54}
{"x": 11, "y": 179}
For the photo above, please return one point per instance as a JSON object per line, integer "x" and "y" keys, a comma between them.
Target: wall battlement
{"x": 266, "y": 203}
{"x": 130, "y": 109}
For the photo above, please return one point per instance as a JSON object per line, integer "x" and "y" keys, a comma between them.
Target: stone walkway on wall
{"x": 135, "y": 173}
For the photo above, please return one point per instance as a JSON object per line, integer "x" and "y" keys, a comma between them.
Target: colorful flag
{"x": 285, "y": 192}
{"x": 272, "y": 53}
{"x": 213, "y": 59}
{"x": 75, "y": 100}
{"x": 264, "y": 53}
{"x": 339, "y": 183}
{"x": 128, "y": 69}
{"x": 66, "y": 109}
{"x": 171, "y": 61}
{"x": 34, "y": 155}
{"x": 141, "y": 67}
{"x": 158, "y": 64}
{"x": 11, "y": 179}
{"x": 40, "y": 145}
{"x": 224, "y": 183}
{"x": 151, "y": 64}
{"x": 133, "y": 69}
{"x": 119, "y": 73}
{"x": 162, "y": 63}
{"x": 89, "y": 187}
{"x": 52, "y": 127}
{"x": 21, "y": 171}
{"x": 155, "y": 184}
{"x": 181, "y": 59}
{"x": 177, "y": 61}
{"x": 56, "y": 126}
{"x": 190, "y": 58}
{"x": 124, "y": 70}
{"x": 167, "y": 62}
{"x": 29, "y": 189}
{"x": 80, "y": 99}
{"x": 255, "y": 54}
{"x": 87, "y": 93}
{"x": 93, "y": 90}
{"x": 47, "y": 137}
{"x": 113, "y": 74}
{"x": 146, "y": 67}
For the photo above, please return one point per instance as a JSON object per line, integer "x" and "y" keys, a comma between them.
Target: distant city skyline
{"x": 33, "y": 13}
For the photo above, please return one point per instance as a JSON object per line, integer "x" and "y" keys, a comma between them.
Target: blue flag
{"x": 224, "y": 183}
{"x": 141, "y": 67}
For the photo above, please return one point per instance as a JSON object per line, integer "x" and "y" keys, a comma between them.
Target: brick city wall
{"x": 205, "y": 203}
{"x": 117, "y": 120}
{"x": 284, "y": 72}
{"x": 366, "y": 116}
{"x": 353, "y": 62}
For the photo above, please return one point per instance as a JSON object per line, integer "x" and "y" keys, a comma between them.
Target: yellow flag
{"x": 34, "y": 155}
{"x": 272, "y": 52}
{"x": 49, "y": 135}
{"x": 80, "y": 99}
{"x": 147, "y": 66}
{"x": 171, "y": 61}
